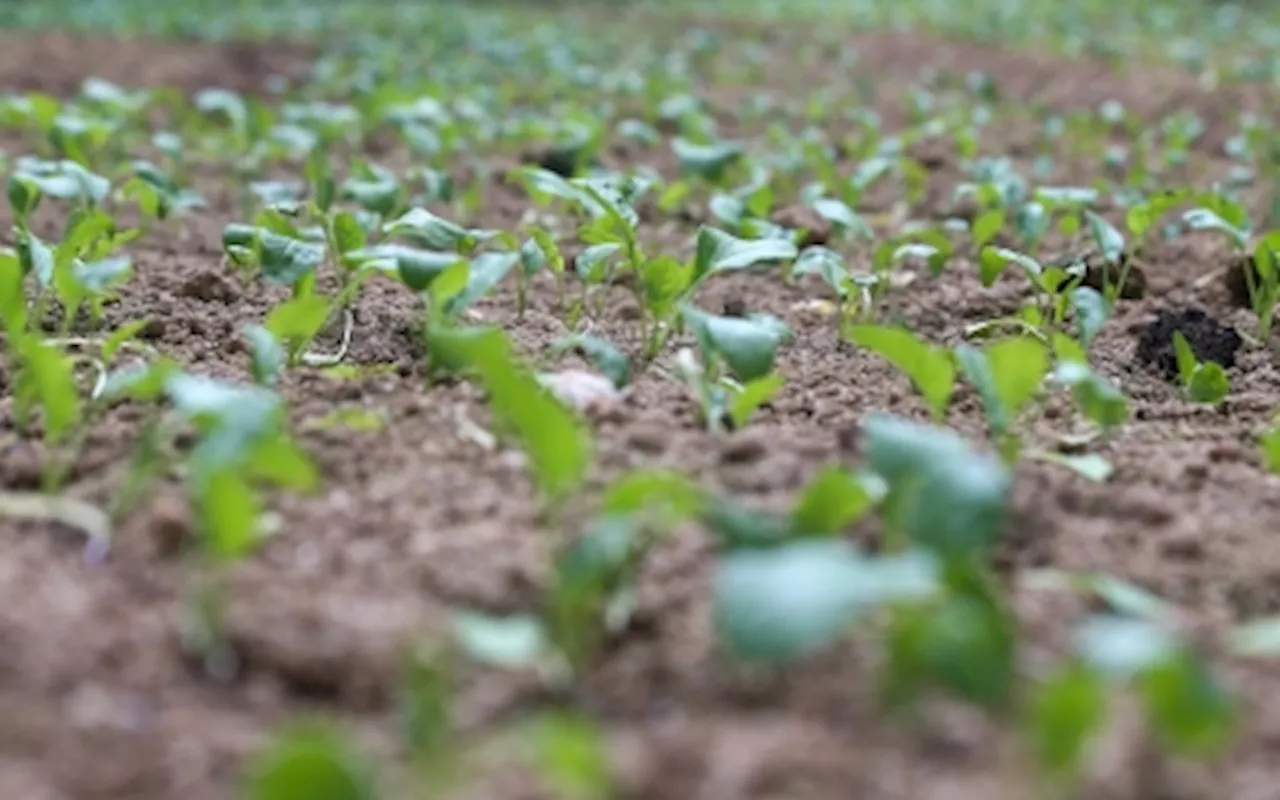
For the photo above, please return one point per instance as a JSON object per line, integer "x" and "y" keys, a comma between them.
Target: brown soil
{"x": 98, "y": 701}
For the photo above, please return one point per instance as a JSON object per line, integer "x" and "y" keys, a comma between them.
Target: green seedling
{"x": 1203, "y": 382}
{"x": 1008, "y": 375}
{"x": 310, "y": 760}
{"x": 732, "y": 375}
{"x": 558, "y": 445}
{"x": 930, "y": 369}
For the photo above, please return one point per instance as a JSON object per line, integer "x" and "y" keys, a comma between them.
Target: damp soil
{"x": 98, "y": 701}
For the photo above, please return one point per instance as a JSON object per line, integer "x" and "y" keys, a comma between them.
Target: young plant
{"x": 1203, "y": 382}
{"x": 733, "y": 374}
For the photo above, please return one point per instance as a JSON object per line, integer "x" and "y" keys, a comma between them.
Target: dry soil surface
{"x": 98, "y": 701}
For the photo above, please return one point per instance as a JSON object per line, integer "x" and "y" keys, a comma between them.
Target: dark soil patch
{"x": 1210, "y": 340}
{"x": 98, "y": 699}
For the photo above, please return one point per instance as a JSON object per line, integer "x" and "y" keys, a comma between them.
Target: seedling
{"x": 1204, "y": 382}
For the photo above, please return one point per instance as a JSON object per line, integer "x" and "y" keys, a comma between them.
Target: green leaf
{"x": 747, "y": 345}
{"x": 825, "y": 263}
{"x": 311, "y": 762}
{"x": 47, "y": 378}
{"x": 1090, "y": 466}
{"x": 558, "y": 445}
{"x": 486, "y": 271}
{"x": 648, "y": 490}
{"x": 228, "y": 510}
{"x": 942, "y": 494}
{"x": 424, "y": 228}
{"x": 348, "y": 235}
{"x": 1123, "y": 647}
{"x": 1092, "y": 311}
{"x": 1186, "y": 357}
{"x": 1269, "y": 442}
{"x": 1256, "y": 638}
{"x": 1189, "y": 711}
{"x": 511, "y": 642}
{"x": 1208, "y": 384}
{"x": 572, "y": 757}
{"x": 1065, "y": 711}
{"x": 754, "y": 393}
{"x": 611, "y": 361}
{"x": 718, "y": 251}
{"x": 834, "y": 499}
{"x": 709, "y": 161}
{"x": 986, "y": 226}
{"x": 784, "y": 603}
{"x": 298, "y": 321}
{"x": 994, "y": 260}
{"x": 1019, "y": 365}
{"x": 1099, "y": 399}
{"x": 1109, "y": 240}
{"x": 267, "y": 358}
{"x": 929, "y": 368}
{"x": 416, "y": 268}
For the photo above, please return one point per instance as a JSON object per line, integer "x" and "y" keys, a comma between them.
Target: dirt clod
{"x": 1210, "y": 340}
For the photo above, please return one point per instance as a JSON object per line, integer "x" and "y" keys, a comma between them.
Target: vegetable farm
{"x": 678, "y": 401}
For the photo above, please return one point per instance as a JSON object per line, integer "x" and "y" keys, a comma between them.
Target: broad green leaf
{"x": 1092, "y": 311}
{"x": 426, "y": 229}
{"x": 784, "y": 603}
{"x": 718, "y": 251}
{"x": 709, "y": 161}
{"x": 826, "y": 263}
{"x": 46, "y": 378}
{"x": 228, "y": 510}
{"x": 348, "y": 235}
{"x": 1109, "y": 240}
{"x": 311, "y": 762}
{"x": 832, "y": 500}
{"x": 747, "y": 345}
{"x": 942, "y": 494}
{"x": 754, "y": 394}
{"x": 929, "y": 368}
{"x": 559, "y": 447}
{"x": 486, "y": 271}
{"x": 645, "y": 490}
{"x": 1190, "y": 712}
{"x": 267, "y": 358}
{"x": 1123, "y": 647}
{"x": 1099, "y": 399}
{"x": 572, "y": 757}
{"x": 512, "y": 642}
{"x": 416, "y": 268}
{"x": 1065, "y": 711}
{"x": 986, "y": 226}
{"x": 298, "y": 321}
{"x": 994, "y": 260}
{"x": 1018, "y": 365}
{"x": 1208, "y": 383}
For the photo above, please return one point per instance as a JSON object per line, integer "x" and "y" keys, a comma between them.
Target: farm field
{"x": 586, "y": 401}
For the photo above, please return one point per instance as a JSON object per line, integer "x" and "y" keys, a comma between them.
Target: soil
{"x": 415, "y": 519}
